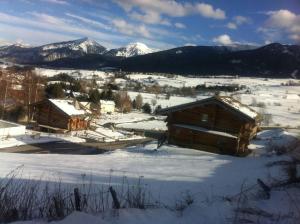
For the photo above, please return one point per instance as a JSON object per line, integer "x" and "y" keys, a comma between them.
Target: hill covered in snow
{"x": 68, "y": 49}
{"x": 133, "y": 49}
{"x": 273, "y": 60}
{"x": 51, "y": 52}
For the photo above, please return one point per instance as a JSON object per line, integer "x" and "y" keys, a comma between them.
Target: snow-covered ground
{"x": 156, "y": 125}
{"x": 32, "y": 137}
{"x": 119, "y": 118}
{"x": 134, "y": 120}
{"x": 281, "y": 101}
{"x": 168, "y": 173}
{"x": 182, "y": 81}
{"x": 162, "y": 100}
{"x": 85, "y": 74}
{"x": 103, "y": 134}
{"x": 172, "y": 171}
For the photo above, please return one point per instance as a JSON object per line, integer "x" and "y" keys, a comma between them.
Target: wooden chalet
{"x": 60, "y": 115}
{"x": 217, "y": 124}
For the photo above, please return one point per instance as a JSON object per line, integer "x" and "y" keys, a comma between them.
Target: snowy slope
{"x": 85, "y": 45}
{"x": 167, "y": 173}
{"x": 131, "y": 50}
{"x": 51, "y": 52}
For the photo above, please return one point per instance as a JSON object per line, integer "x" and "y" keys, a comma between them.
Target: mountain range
{"x": 273, "y": 60}
{"x": 68, "y": 49}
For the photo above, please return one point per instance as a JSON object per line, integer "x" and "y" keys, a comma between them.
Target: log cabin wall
{"x": 77, "y": 123}
{"x": 48, "y": 114}
{"x": 202, "y": 140}
{"x": 218, "y": 118}
{"x": 213, "y": 117}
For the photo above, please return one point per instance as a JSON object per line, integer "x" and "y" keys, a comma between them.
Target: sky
{"x": 160, "y": 24}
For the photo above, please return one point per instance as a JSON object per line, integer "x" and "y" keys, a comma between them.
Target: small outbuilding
{"x": 107, "y": 106}
{"x": 216, "y": 124}
{"x": 61, "y": 115}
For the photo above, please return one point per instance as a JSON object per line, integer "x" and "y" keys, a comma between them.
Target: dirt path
{"x": 87, "y": 148}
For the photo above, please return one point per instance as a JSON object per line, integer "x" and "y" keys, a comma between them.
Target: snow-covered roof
{"x": 197, "y": 128}
{"x": 107, "y": 102}
{"x": 239, "y": 106}
{"x": 235, "y": 105}
{"x": 67, "y": 106}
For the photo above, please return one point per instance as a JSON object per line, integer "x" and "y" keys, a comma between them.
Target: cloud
{"x": 49, "y": 23}
{"x": 238, "y": 21}
{"x": 295, "y": 37}
{"x": 60, "y": 2}
{"x": 223, "y": 40}
{"x": 171, "y": 8}
{"x": 208, "y": 11}
{"x": 67, "y": 28}
{"x": 281, "y": 23}
{"x": 33, "y": 36}
{"x": 129, "y": 29}
{"x": 231, "y": 26}
{"x": 89, "y": 21}
{"x": 180, "y": 25}
{"x": 150, "y": 17}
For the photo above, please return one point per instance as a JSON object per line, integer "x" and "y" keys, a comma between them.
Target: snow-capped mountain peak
{"x": 133, "y": 49}
{"x": 85, "y": 45}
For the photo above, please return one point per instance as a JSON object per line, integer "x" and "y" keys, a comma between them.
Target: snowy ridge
{"x": 133, "y": 49}
{"x": 81, "y": 45}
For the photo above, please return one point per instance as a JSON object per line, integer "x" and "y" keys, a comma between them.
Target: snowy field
{"x": 156, "y": 125}
{"x": 134, "y": 120}
{"x": 162, "y": 101}
{"x": 281, "y": 101}
{"x": 85, "y": 74}
{"x": 32, "y": 137}
{"x": 168, "y": 174}
{"x": 182, "y": 81}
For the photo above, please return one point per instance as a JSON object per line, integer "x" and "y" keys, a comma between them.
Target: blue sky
{"x": 160, "y": 24}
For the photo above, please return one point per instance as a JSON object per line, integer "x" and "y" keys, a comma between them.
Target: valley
{"x": 117, "y": 147}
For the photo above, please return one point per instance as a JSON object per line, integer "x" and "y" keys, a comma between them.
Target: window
{"x": 204, "y": 118}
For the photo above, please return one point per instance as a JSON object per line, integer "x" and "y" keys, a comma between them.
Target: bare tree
{"x": 139, "y": 101}
{"x": 265, "y": 118}
{"x": 153, "y": 102}
{"x": 123, "y": 102}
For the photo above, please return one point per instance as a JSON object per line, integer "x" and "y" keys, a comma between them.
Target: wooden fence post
{"x": 77, "y": 199}
{"x": 114, "y": 197}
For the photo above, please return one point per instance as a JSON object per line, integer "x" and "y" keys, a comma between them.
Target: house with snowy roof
{"x": 217, "y": 124}
{"x": 105, "y": 106}
{"x": 60, "y": 115}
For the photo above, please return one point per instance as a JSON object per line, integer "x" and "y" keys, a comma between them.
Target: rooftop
{"x": 235, "y": 105}
{"x": 68, "y": 107}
